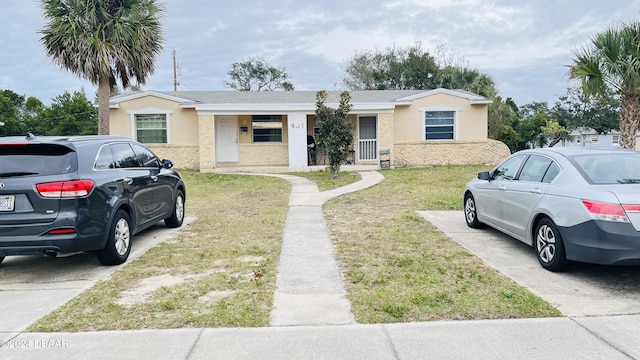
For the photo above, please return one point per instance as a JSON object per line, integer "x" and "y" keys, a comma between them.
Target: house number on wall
{"x": 297, "y": 126}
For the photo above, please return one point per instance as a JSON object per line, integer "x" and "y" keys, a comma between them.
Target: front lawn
{"x": 221, "y": 270}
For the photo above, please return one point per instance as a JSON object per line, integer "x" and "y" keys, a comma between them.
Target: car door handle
{"x": 502, "y": 187}
{"x": 128, "y": 180}
{"x": 154, "y": 178}
{"x": 536, "y": 190}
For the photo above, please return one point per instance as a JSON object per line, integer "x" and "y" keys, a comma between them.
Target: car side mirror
{"x": 484, "y": 175}
{"x": 167, "y": 164}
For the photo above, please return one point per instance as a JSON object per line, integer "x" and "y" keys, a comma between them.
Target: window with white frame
{"x": 439, "y": 125}
{"x": 151, "y": 128}
{"x": 595, "y": 139}
{"x": 267, "y": 128}
{"x": 616, "y": 139}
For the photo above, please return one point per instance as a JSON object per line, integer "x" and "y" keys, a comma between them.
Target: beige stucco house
{"x": 215, "y": 129}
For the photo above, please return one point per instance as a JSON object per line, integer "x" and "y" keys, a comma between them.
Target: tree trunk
{"x": 104, "y": 90}
{"x": 628, "y": 121}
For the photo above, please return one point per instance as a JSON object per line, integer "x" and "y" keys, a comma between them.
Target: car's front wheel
{"x": 118, "y": 246}
{"x": 549, "y": 246}
{"x": 470, "y": 212}
{"x": 177, "y": 215}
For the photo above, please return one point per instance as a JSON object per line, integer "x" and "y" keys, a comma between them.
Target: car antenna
{"x": 30, "y": 136}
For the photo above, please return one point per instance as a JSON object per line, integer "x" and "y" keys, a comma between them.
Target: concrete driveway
{"x": 585, "y": 290}
{"x": 33, "y": 286}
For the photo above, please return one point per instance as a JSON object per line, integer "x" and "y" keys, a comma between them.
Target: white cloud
{"x": 339, "y": 44}
{"x": 431, "y": 4}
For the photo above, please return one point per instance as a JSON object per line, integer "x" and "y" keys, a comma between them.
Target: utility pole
{"x": 175, "y": 71}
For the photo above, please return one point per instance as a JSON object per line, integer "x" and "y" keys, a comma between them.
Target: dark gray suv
{"x": 86, "y": 193}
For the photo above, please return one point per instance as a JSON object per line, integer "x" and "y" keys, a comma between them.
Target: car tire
{"x": 1, "y": 259}
{"x": 470, "y": 212}
{"x": 177, "y": 214}
{"x": 118, "y": 246}
{"x": 549, "y": 246}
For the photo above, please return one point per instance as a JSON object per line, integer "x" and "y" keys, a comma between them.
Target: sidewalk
{"x": 607, "y": 338}
{"x": 312, "y": 320}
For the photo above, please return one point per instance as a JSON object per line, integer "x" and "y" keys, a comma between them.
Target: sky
{"x": 525, "y": 46}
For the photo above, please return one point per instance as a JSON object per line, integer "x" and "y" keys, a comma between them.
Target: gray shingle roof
{"x": 287, "y": 97}
{"x": 295, "y": 97}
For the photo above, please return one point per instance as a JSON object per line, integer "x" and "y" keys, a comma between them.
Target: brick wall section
{"x": 448, "y": 153}
{"x": 183, "y": 157}
{"x": 267, "y": 154}
{"x": 385, "y": 126}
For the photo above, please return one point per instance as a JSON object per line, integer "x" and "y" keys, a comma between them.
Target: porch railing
{"x": 368, "y": 150}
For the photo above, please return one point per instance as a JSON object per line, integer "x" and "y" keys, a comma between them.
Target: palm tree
{"x": 102, "y": 41}
{"x": 613, "y": 63}
{"x": 469, "y": 79}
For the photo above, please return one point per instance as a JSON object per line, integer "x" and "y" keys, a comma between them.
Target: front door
{"x": 367, "y": 138}
{"x": 226, "y": 138}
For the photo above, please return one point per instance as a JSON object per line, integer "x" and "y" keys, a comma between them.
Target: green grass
{"x": 399, "y": 268}
{"x": 325, "y": 180}
{"x": 396, "y": 266}
{"x": 238, "y": 233}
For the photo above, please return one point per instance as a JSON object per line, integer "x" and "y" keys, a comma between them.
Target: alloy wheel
{"x": 546, "y": 243}
{"x": 122, "y": 236}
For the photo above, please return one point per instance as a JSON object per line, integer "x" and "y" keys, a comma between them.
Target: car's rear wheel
{"x": 549, "y": 246}
{"x": 177, "y": 216}
{"x": 118, "y": 244}
{"x": 470, "y": 212}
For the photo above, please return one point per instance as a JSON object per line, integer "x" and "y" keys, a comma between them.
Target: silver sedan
{"x": 570, "y": 204}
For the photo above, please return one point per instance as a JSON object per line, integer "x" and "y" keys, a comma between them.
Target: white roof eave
{"x": 303, "y": 107}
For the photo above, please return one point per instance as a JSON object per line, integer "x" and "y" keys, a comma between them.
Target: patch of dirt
{"x": 151, "y": 284}
{"x": 215, "y": 296}
{"x": 147, "y": 286}
{"x": 251, "y": 260}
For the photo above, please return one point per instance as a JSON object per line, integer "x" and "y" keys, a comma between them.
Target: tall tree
{"x": 69, "y": 114}
{"x": 612, "y": 63}
{"x": 392, "y": 69}
{"x": 10, "y": 115}
{"x": 256, "y": 74}
{"x": 575, "y": 110}
{"x": 335, "y": 131}
{"x": 104, "y": 41}
{"x": 502, "y": 113}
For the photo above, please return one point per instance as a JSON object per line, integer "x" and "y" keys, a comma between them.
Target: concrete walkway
{"x": 309, "y": 288}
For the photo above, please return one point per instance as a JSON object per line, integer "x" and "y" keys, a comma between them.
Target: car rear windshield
{"x": 36, "y": 159}
{"x": 615, "y": 168}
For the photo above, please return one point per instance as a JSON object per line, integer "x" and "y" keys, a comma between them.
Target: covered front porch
{"x": 284, "y": 141}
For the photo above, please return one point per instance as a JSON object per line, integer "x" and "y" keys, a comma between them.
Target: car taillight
{"x": 606, "y": 211}
{"x": 631, "y": 208}
{"x": 62, "y": 231}
{"x": 65, "y": 189}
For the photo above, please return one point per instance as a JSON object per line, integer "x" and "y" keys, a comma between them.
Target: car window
{"x": 105, "y": 159}
{"x": 36, "y": 159}
{"x": 535, "y": 168}
{"x": 551, "y": 173}
{"x": 507, "y": 170}
{"x": 146, "y": 157}
{"x": 608, "y": 169}
{"x": 124, "y": 156}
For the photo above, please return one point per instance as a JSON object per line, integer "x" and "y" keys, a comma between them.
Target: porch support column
{"x": 206, "y": 142}
{"x": 297, "y": 123}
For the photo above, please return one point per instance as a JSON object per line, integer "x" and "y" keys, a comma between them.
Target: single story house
{"x": 208, "y": 130}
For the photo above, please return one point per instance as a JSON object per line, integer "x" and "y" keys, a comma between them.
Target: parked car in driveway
{"x": 61, "y": 195}
{"x": 569, "y": 204}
